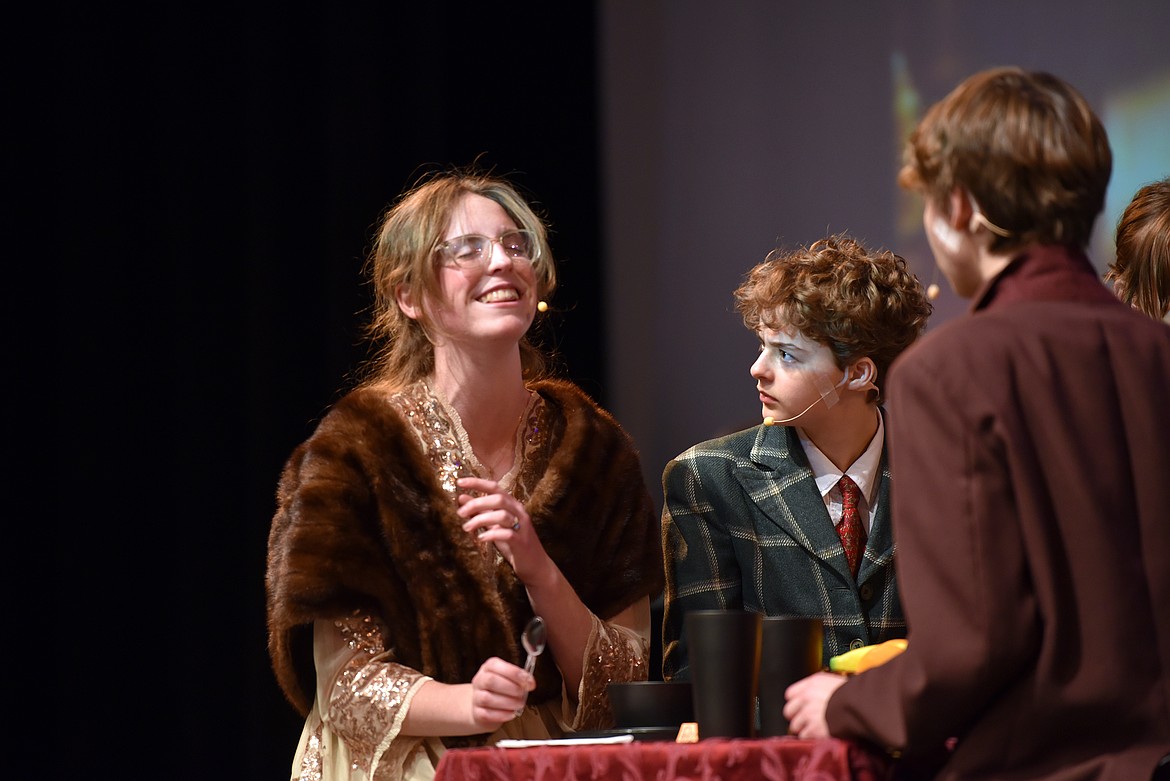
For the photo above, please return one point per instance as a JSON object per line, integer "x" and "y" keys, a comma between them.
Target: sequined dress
{"x": 362, "y": 695}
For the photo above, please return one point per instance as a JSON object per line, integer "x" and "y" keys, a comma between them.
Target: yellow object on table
{"x": 868, "y": 656}
{"x": 688, "y": 733}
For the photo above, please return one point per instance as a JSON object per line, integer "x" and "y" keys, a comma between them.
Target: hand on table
{"x": 806, "y": 701}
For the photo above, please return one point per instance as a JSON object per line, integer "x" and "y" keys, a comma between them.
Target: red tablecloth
{"x": 781, "y": 759}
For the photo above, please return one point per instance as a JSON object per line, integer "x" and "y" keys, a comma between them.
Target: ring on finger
{"x": 515, "y": 524}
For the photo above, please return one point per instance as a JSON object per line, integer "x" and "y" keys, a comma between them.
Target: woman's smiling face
{"x": 494, "y": 299}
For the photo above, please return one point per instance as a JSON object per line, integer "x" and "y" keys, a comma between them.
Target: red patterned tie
{"x": 850, "y": 530}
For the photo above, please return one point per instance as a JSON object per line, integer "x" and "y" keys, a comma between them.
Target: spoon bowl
{"x": 533, "y": 638}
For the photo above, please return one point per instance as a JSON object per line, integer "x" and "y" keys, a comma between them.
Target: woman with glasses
{"x": 452, "y": 496}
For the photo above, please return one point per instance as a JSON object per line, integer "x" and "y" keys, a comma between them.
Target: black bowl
{"x": 651, "y": 703}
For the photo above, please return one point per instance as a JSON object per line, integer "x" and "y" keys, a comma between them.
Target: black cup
{"x": 723, "y": 647}
{"x": 791, "y": 648}
{"x": 651, "y": 703}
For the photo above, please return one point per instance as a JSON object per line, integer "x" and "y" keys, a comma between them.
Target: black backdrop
{"x": 205, "y": 196}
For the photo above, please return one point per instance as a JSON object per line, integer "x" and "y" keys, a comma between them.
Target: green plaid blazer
{"x": 744, "y": 527}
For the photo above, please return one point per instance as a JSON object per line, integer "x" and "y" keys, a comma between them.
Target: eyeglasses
{"x": 473, "y": 249}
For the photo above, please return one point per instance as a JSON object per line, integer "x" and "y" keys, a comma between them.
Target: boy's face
{"x": 792, "y": 374}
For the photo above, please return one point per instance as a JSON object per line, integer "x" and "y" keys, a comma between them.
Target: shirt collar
{"x": 864, "y": 471}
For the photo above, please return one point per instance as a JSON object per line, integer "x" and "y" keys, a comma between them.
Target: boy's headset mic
{"x": 771, "y": 421}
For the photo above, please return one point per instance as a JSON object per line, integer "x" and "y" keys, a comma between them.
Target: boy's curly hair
{"x": 857, "y": 302}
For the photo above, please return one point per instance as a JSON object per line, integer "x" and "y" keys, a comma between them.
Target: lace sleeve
{"x": 365, "y": 697}
{"x": 618, "y": 650}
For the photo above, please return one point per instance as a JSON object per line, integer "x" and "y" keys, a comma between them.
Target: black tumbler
{"x": 724, "y": 651}
{"x": 791, "y": 648}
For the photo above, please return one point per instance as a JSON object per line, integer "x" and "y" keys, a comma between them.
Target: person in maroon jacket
{"x": 1030, "y": 443}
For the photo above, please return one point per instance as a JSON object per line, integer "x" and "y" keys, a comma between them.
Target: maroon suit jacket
{"x": 1031, "y": 447}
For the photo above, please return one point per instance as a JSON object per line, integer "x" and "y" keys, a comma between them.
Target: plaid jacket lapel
{"x": 879, "y": 550}
{"x": 782, "y": 487}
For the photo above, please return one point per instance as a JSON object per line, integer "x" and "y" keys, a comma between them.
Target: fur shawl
{"x": 363, "y": 524}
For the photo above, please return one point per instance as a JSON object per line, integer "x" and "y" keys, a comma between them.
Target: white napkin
{"x": 564, "y": 741}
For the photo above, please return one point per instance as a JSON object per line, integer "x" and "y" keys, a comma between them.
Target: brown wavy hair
{"x": 860, "y": 303}
{"x": 404, "y": 253}
{"x": 1141, "y": 272}
{"x": 1026, "y": 145}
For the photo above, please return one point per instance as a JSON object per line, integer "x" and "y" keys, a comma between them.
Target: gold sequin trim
{"x": 436, "y": 433}
{"x": 366, "y": 705}
{"x": 446, "y": 446}
{"x": 614, "y": 653}
{"x": 311, "y": 761}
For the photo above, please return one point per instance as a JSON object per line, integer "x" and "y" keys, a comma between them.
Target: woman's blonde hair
{"x": 404, "y": 253}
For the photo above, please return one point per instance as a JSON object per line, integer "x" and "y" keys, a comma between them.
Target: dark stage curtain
{"x": 203, "y": 184}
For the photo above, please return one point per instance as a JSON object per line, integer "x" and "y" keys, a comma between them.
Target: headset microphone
{"x": 826, "y": 391}
{"x": 770, "y": 421}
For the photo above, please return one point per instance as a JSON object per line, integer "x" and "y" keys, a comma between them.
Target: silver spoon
{"x": 533, "y": 639}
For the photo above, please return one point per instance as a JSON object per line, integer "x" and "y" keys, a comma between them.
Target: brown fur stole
{"x": 362, "y": 524}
